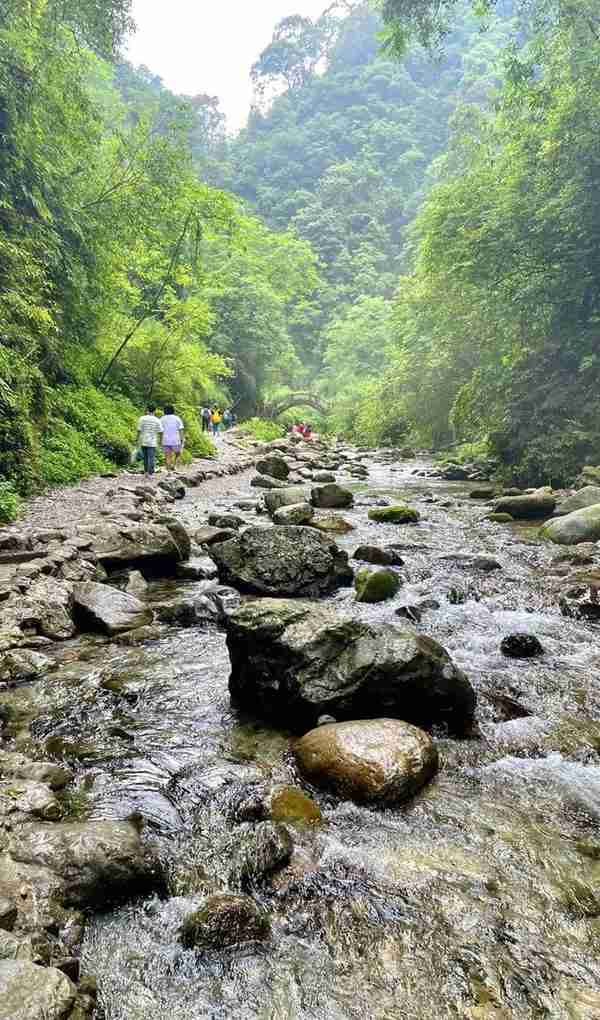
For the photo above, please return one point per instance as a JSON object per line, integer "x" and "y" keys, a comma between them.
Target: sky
{"x": 210, "y": 45}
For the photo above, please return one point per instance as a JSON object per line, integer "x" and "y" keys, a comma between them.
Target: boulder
{"x": 379, "y": 556}
{"x": 232, "y": 521}
{"x": 521, "y": 646}
{"x": 331, "y": 497}
{"x": 19, "y": 767}
{"x": 91, "y": 863}
{"x": 101, "y": 607}
{"x": 23, "y": 664}
{"x": 174, "y": 487}
{"x": 223, "y": 921}
{"x": 499, "y": 518}
{"x": 295, "y": 661}
{"x": 394, "y": 515}
{"x": 136, "y": 583}
{"x": 588, "y": 496}
{"x": 50, "y": 601}
{"x": 297, "y": 513}
{"x": 376, "y": 760}
{"x": 198, "y": 568}
{"x": 210, "y": 536}
{"x": 528, "y": 506}
{"x": 290, "y": 804}
{"x": 579, "y": 526}
{"x": 274, "y": 467}
{"x": 8, "y": 914}
{"x": 468, "y": 561}
{"x": 323, "y": 477}
{"x": 266, "y": 482}
{"x": 487, "y": 492}
{"x": 116, "y": 543}
{"x": 282, "y": 561}
{"x": 29, "y": 798}
{"x": 333, "y": 524}
{"x": 455, "y": 473}
{"x": 287, "y": 496}
{"x": 376, "y": 585}
{"x": 29, "y": 992}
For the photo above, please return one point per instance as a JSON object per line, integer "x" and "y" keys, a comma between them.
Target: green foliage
{"x": 9, "y": 502}
{"x": 260, "y": 428}
{"x": 496, "y": 328}
{"x": 123, "y": 276}
{"x": 65, "y": 455}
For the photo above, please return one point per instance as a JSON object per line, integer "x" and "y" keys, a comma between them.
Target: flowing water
{"x": 479, "y": 899}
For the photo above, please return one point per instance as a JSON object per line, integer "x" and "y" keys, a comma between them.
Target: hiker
{"x": 226, "y": 419}
{"x": 172, "y": 440}
{"x": 307, "y": 431}
{"x": 149, "y": 432}
{"x": 216, "y": 419}
{"x": 205, "y": 418}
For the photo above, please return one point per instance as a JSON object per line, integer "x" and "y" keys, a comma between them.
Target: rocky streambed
{"x": 169, "y": 847}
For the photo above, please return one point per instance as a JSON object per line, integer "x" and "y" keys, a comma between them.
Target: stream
{"x": 478, "y": 899}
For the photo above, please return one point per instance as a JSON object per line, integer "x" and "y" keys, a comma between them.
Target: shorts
{"x": 172, "y": 449}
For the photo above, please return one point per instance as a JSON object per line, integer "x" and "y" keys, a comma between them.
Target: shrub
{"x": 260, "y": 428}
{"x": 66, "y": 455}
{"x": 9, "y": 502}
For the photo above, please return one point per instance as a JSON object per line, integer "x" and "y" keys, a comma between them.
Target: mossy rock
{"x": 224, "y": 921}
{"x": 500, "y": 518}
{"x": 289, "y": 804}
{"x": 399, "y": 514}
{"x": 376, "y": 585}
{"x": 336, "y": 525}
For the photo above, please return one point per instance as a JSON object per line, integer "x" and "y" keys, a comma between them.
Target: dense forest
{"x": 408, "y": 226}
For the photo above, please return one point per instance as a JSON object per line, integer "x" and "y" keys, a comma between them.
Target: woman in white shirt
{"x": 172, "y": 439}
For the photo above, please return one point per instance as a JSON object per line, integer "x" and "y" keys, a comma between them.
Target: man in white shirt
{"x": 149, "y": 432}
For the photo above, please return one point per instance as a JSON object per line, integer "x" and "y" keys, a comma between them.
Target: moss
{"x": 376, "y": 585}
{"x": 500, "y": 518}
{"x": 399, "y": 514}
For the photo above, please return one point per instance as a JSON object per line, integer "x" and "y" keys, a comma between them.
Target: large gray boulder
{"x": 282, "y": 561}
{"x": 49, "y": 602}
{"x": 298, "y": 514}
{"x": 29, "y": 992}
{"x": 120, "y": 542}
{"x": 331, "y": 496}
{"x": 368, "y": 760}
{"x": 274, "y": 467}
{"x": 588, "y": 496}
{"x": 294, "y": 662}
{"x": 82, "y": 864}
{"x": 528, "y": 506}
{"x": 102, "y": 607}
{"x": 579, "y": 526}
{"x": 289, "y": 496}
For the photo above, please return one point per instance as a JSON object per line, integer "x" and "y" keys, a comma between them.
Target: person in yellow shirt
{"x": 216, "y": 419}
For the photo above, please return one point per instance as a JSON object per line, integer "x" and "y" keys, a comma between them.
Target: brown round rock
{"x": 368, "y": 759}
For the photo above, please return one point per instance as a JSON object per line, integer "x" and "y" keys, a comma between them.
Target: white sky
{"x": 210, "y": 45}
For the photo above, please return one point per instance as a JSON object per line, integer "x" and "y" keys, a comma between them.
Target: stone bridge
{"x": 295, "y": 400}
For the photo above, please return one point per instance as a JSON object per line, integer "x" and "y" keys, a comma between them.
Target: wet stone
{"x": 376, "y": 585}
{"x": 8, "y": 914}
{"x": 394, "y": 515}
{"x": 521, "y": 646}
{"x": 384, "y": 557}
{"x": 377, "y": 760}
{"x": 224, "y": 921}
{"x": 290, "y": 804}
